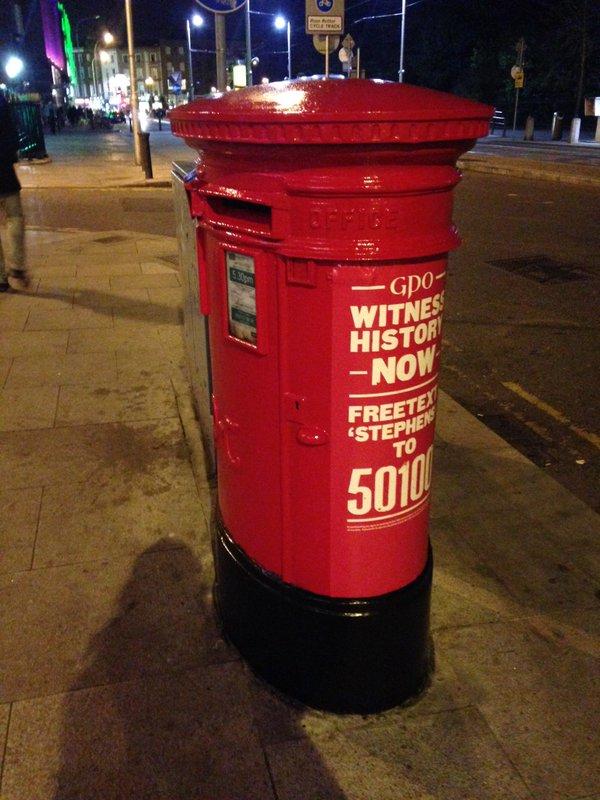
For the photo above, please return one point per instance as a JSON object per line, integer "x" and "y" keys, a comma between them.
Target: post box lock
{"x": 312, "y": 436}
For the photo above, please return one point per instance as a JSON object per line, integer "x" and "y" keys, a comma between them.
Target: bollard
{"x": 529, "y": 128}
{"x": 557, "y": 125}
{"x": 575, "y": 128}
{"x": 145, "y": 155}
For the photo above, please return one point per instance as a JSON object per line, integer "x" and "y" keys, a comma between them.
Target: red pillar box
{"x": 324, "y": 221}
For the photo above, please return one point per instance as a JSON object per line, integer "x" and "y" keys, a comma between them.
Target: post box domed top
{"x": 330, "y": 112}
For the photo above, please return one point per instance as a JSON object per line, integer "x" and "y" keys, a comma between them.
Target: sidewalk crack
{"x": 5, "y": 746}
{"x": 37, "y": 530}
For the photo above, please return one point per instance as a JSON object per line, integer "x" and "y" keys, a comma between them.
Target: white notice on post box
{"x": 241, "y": 296}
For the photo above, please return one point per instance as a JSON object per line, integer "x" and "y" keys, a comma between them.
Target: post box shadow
{"x": 109, "y": 305}
{"x": 164, "y": 709}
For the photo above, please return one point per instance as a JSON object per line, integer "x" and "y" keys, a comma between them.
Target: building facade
{"x": 161, "y": 70}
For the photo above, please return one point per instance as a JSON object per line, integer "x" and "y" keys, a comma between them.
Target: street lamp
{"x": 197, "y": 22}
{"x": 107, "y": 38}
{"x": 281, "y": 23}
{"x": 14, "y": 67}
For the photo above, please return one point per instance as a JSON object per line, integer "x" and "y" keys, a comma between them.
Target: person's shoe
{"x": 4, "y": 286}
{"x": 22, "y": 277}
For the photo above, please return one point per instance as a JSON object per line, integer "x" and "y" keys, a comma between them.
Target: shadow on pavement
{"x": 112, "y": 304}
{"x": 170, "y": 715}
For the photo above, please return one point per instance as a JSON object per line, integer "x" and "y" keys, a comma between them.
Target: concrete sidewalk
{"x": 114, "y": 680}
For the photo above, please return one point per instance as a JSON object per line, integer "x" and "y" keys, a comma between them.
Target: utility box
{"x": 324, "y": 212}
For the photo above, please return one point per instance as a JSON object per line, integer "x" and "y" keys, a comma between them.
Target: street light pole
{"x": 220, "y": 47}
{"x": 190, "y": 66}
{"x": 402, "y": 24}
{"x": 289, "y": 45}
{"x": 249, "y": 79}
{"x": 280, "y": 24}
{"x": 135, "y": 122}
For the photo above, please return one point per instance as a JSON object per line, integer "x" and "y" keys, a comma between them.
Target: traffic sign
{"x": 520, "y": 81}
{"x": 325, "y": 16}
{"x": 348, "y": 42}
{"x": 516, "y": 71}
{"x": 221, "y": 6}
{"x": 320, "y": 42}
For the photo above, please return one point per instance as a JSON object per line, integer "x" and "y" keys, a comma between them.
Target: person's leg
{"x": 3, "y": 268}
{"x": 15, "y": 236}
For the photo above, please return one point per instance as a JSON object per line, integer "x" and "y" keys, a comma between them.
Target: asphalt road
{"x": 521, "y": 325}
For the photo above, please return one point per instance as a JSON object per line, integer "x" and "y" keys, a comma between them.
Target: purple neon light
{"x": 52, "y": 33}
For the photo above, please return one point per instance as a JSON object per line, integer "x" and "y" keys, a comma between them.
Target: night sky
{"x": 461, "y": 46}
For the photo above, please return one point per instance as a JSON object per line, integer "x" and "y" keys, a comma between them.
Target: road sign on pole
{"x": 322, "y": 42}
{"x": 221, "y": 6}
{"x": 325, "y": 16}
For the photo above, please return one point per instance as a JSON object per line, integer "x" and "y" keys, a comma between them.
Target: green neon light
{"x": 65, "y": 24}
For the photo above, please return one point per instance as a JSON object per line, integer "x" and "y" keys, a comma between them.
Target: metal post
{"x": 190, "y": 65}
{"x": 289, "y": 44}
{"x": 327, "y": 55}
{"x": 220, "y": 48}
{"x": 402, "y": 23}
{"x": 133, "y": 84}
{"x": 249, "y": 79}
{"x": 94, "y": 71}
{"x": 520, "y": 49}
{"x": 358, "y": 62}
{"x": 146, "y": 156}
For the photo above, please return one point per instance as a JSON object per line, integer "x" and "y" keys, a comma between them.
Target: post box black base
{"x": 336, "y": 654}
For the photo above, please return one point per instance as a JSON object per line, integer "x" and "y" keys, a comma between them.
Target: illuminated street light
{"x": 197, "y": 22}
{"x": 14, "y": 67}
{"x": 104, "y": 58}
{"x": 281, "y": 23}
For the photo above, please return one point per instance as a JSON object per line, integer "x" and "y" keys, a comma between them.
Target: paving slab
{"x": 528, "y": 533}
{"x": 18, "y": 528}
{"x": 451, "y": 755}
{"x": 540, "y": 697}
{"x": 145, "y": 281}
{"x": 12, "y": 319}
{"x": 116, "y": 402}
{"x": 71, "y": 283}
{"x": 167, "y": 738}
{"x": 93, "y": 522}
{"x": 92, "y": 452}
{"x": 60, "y": 370}
{"x": 24, "y": 409}
{"x": 109, "y": 299}
{"x": 127, "y": 338}
{"x": 108, "y": 267}
{"x": 67, "y": 318}
{"x": 4, "y": 370}
{"x": 156, "y": 267}
{"x": 4, "y": 717}
{"x": 279, "y": 719}
{"x": 103, "y": 622}
{"x": 148, "y": 313}
{"x": 31, "y": 343}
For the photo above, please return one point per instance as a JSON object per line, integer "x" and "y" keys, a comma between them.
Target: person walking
{"x": 10, "y": 205}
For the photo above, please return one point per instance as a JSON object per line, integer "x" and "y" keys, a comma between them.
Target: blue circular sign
{"x": 324, "y": 6}
{"x": 222, "y": 6}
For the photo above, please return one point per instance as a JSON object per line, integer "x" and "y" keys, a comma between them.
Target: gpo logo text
{"x": 407, "y": 285}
